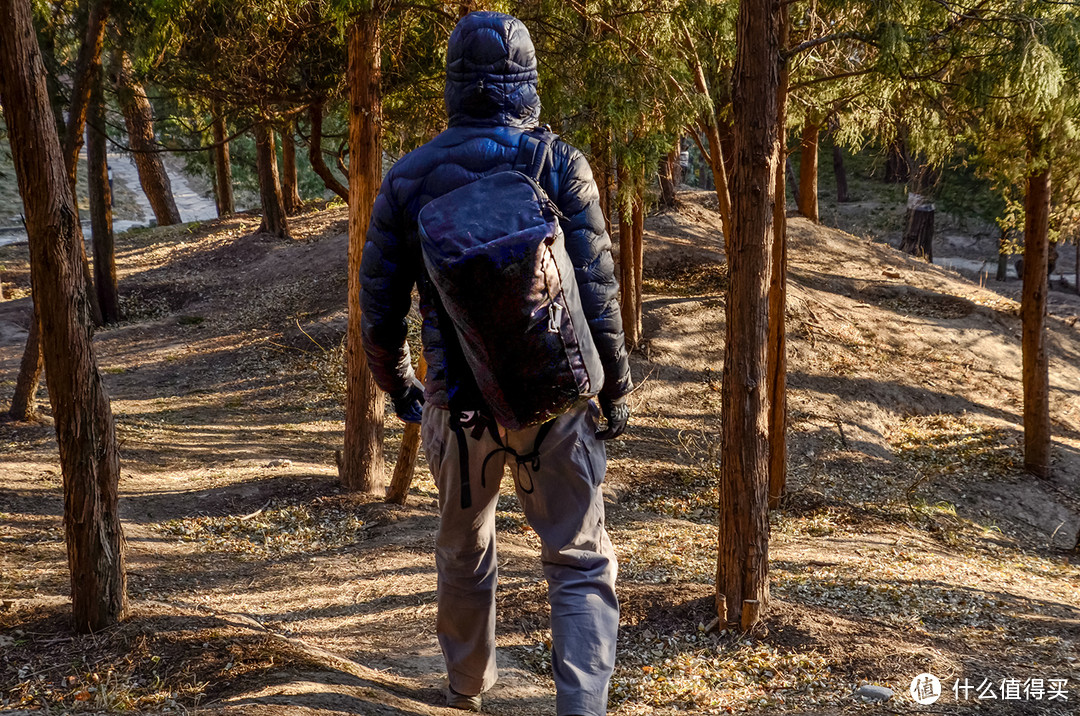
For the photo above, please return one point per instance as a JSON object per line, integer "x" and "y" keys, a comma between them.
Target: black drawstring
{"x": 478, "y": 423}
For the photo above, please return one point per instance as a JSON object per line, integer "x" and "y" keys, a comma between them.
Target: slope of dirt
{"x": 910, "y": 540}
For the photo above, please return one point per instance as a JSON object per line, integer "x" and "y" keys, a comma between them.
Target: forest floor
{"x": 910, "y": 541}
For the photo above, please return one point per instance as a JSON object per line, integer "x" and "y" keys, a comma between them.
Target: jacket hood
{"x": 491, "y": 72}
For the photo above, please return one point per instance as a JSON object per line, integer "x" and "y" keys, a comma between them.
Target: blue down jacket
{"x": 491, "y": 99}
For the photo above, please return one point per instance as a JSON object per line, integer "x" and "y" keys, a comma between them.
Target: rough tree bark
{"x": 627, "y": 282}
{"x": 273, "y": 207}
{"x": 808, "y": 169}
{"x": 315, "y": 153}
{"x": 777, "y": 352}
{"x": 101, "y": 224}
{"x": 85, "y": 431}
{"x": 362, "y": 465}
{"x": 919, "y": 235}
{"x": 139, "y": 118}
{"x": 1036, "y": 373}
{"x": 743, "y": 558}
{"x": 637, "y": 216}
{"x": 24, "y": 401}
{"x": 223, "y": 185}
{"x": 290, "y": 192}
{"x": 666, "y": 174}
{"x": 88, "y": 63}
{"x": 87, "y": 68}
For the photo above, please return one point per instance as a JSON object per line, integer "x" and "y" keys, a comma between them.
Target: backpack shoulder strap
{"x": 534, "y": 151}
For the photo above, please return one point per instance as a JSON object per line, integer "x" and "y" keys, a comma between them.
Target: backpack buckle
{"x": 555, "y": 312}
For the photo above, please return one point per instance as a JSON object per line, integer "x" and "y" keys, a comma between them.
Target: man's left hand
{"x": 409, "y": 405}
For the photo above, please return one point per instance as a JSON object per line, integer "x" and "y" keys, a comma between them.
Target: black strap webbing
{"x": 478, "y": 423}
{"x": 463, "y": 459}
{"x": 533, "y": 152}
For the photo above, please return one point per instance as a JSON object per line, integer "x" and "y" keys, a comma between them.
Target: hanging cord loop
{"x": 476, "y": 423}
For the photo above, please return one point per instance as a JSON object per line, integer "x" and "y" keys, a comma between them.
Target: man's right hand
{"x": 617, "y": 413}
{"x": 409, "y": 405}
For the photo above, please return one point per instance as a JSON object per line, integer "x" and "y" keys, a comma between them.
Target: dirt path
{"x": 131, "y": 208}
{"x": 910, "y": 540}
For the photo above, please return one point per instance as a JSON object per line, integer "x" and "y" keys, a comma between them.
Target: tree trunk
{"x": 405, "y": 466}
{"x": 290, "y": 192}
{"x": 720, "y": 179}
{"x": 840, "y": 173}
{"x": 315, "y": 154}
{"x": 57, "y": 94}
{"x": 726, "y": 134}
{"x": 791, "y": 180}
{"x": 362, "y": 467}
{"x": 602, "y": 170}
{"x": 627, "y": 274}
{"x": 897, "y": 168}
{"x": 1033, "y": 317}
{"x": 223, "y": 185}
{"x": 139, "y": 119}
{"x": 919, "y": 237}
{"x": 638, "y": 220}
{"x": 666, "y": 174}
{"x": 808, "y": 170}
{"x": 273, "y": 208}
{"x": 1003, "y": 256}
{"x": 101, "y": 224}
{"x": 85, "y": 430}
{"x": 776, "y": 363}
{"x": 743, "y": 558}
{"x": 715, "y": 156}
{"x": 24, "y": 402}
{"x": 87, "y": 68}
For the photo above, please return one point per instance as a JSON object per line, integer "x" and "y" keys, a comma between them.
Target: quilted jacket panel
{"x": 491, "y": 100}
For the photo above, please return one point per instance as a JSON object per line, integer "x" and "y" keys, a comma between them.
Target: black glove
{"x": 409, "y": 404}
{"x": 617, "y": 413}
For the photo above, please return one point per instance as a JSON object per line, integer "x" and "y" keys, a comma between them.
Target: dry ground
{"x": 910, "y": 541}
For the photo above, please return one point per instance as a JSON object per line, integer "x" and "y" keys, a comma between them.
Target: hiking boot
{"x": 460, "y": 701}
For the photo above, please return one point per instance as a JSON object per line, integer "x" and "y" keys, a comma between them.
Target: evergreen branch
{"x": 162, "y": 149}
{"x": 701, "y": 147}
{"x": 824, "y": 40}
{"x": 830, "y": 78}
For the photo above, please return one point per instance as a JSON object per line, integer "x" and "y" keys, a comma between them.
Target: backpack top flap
{"x": 498, "y": 205}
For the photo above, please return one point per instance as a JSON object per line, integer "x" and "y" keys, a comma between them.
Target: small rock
{"x": 870, "y": 692}
{"x": 279, "y": 463}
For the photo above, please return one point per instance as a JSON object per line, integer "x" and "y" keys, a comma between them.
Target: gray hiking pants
{"x": 563, "y": 503}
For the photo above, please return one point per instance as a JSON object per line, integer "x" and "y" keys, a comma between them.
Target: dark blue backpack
{"x": 495, "y": 253}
